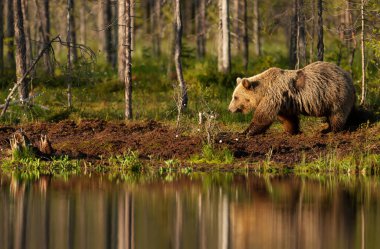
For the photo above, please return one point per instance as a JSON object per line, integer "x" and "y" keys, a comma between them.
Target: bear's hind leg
{"x": 291, "y": 123}
{"x": 336, "y": 122}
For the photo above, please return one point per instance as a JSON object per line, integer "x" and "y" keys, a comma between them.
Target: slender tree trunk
{"x": 245, "y": 35}
{"x": 115, "y": 37}
{"x": 362, "y": 40}
{"x": 121, "y": 52}
{"x": 20, "y": 49}
{"x": 101, "y": 26}
{"x": 128, "y": 62}
{"x": 352, "y": 40}
{"x": 69, "y": 50}
{"x": 311, "y": 48}
{"x": 108, "y": 30}
{"x": 73, "y": 36}
{"x": 320, "y": 44}
{"x": 133, "y": 11}
{"x": 177, "y": 54}
{"x": 28, "y": 40}
{"x": 83, "y": 21}
{"x": 10, "y": 35}
{"x": 256, "y": 28}
{"x": 301, "y": 35}
{"x": 156, "y": 18}
{"x": 44, "y": 31}
{"x": 236, "y": 25}
{"x": 224, "y": 55}
{"x": 293, "y": 41}
{"x": 1, "y": 37}
{"x": 200, "y": 26}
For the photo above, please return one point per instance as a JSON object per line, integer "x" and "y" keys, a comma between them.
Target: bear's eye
{"x": 235, "y": 98}
{"x": 246, "y": 100}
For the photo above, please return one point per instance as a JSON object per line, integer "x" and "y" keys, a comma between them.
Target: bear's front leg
{"x": 258, "y": 125}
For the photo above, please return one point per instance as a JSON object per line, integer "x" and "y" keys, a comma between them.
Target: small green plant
{"x": 211, "y": 155}
{"x": 128, "y": 162}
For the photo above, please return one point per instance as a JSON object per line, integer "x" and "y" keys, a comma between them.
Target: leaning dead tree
{"x": 183, "y": 99}
{"x": 47, "y": 48}
{"x": 21, "y": 81}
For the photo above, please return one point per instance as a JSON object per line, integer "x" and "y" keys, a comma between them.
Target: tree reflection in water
{"x": 197, "y": 211}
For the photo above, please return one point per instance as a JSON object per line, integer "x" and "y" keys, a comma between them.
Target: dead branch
{"x": 31, "y": 67}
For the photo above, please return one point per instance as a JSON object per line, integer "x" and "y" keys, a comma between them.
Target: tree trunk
{"x": 69, "y": 50}
{"x": 44, "y": 31}
{"x": 101, "y": 26}
{"x": 83, "y": 21}
{"x": 224, "y": 51}
{"x": 20, "y": 50}
{"x": 352, "y": 36}
{"x": 245, "y": 35}
{"x": 320, "y": 44}
{"x": 311, "y": 48}
{"x": 10, "y": 35}
{"x": 301, "y": 35}
{"x": 156, "y": 18}
{"x": 236, "y": 25}
{"x": 177, "y": 54}
{"x": 362, "y": 40}
{"x": 1, "y": 37}
{"x": 256, "y": 28}
{"x": 71, "y": 28}
{"x": 293, "y": 41}
{"x": 28, "y": 40}
{"x": 128, "y": 61}
{"x": 108, "y": 30}
{"x": 200, "y": 25}
{"x": 121, "y": 51}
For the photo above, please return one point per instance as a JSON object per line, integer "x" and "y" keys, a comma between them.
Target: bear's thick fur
{"x": 320, "y": 89}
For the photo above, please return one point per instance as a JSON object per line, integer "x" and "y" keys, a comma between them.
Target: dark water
{"x": 198, "y": 211}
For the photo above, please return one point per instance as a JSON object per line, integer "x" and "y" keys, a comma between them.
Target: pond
{"x": 199, "y": 210}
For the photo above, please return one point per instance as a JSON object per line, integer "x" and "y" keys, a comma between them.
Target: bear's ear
{"x": 249, "y": 85}
{"x": 238, "y": 80}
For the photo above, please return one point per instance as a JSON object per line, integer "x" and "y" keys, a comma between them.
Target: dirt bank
{"x": 93, "y": 139}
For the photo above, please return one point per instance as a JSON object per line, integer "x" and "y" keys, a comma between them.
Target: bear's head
{"x": 245, "y": 97}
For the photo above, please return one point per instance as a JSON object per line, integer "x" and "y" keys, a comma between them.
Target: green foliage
{"x": 211, "y": 155}
{"x": 129, "y": 162}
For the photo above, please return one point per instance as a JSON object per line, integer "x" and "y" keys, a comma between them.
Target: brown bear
{"x": 320, "y": 89}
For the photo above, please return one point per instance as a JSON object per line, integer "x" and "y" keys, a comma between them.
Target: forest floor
{"x": 93, "y": 140}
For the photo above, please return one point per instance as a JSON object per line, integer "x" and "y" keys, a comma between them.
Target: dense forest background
{"x": 83, "y": 73}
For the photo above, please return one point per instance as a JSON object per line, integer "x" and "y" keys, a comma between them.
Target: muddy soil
{"x": 96, "y": 139}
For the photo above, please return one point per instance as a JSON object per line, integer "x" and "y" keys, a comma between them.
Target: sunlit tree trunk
{"x": 245, "y": 35}
{"x": 320, "y": 44}
{"x": 108, "y": 30}
{"x": 312, "y": 33}
{"x": 256, "y": 28}
{"x": 177, "y": 54}
{"x": 20, "y": 49}
{"x": 128, "y": 61}
{"x": 83, "y": 21}
{"x": 121, "y": 56}
{"x": 71, "y": 28}
{"x": 156, "y": 19}
{"x": 70, "y": 49}
{"x": 352, "y": 36}
{"x": 293, "y": 41}
{"x": 200, "y": 26}
{"x": 236, "y": 20}
{"x": 224, "y": 51}
{"x": 1, "y": 37}
{"x": 362, "y": 41}
{"x": 10, "y": 33}
{"x": 301, "y": 34}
